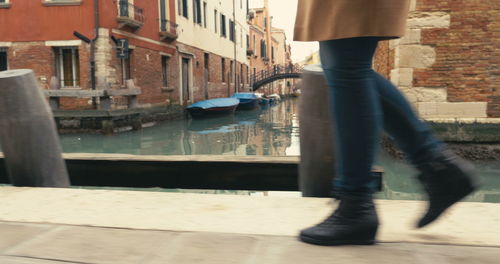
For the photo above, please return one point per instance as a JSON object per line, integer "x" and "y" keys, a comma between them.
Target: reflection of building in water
{"x": 400, "y": 182}
{"x": 274, "y": 135}
{"x": 486, "y": 196}
{"x": 150, "y": 141}
{"x": 257, "y": 132}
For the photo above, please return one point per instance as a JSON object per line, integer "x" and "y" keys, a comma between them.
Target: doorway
{"x": 185, "y": 81}
{"x": 3, "y": 60}
{"x": 206, "y": 74}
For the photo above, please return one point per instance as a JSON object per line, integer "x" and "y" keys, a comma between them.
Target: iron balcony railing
{"x": 131, "y": 11}
{"x": 168, "y": 26}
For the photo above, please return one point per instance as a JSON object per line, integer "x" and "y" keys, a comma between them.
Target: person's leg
{"x": 446, "y": 177}
{"x": 347, "y": 65}
{"x": 401, "y": 123}
{"x": 362, "y": 102}
{"x": 360, "y": 97}
{"x": 358, "y": 121}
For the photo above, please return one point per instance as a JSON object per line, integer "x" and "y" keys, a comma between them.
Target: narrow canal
{"x": 266, "y": 132}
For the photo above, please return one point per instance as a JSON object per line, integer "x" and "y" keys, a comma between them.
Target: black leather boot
{"x": 447, "y": 179}
{"x": 355, "y": 222}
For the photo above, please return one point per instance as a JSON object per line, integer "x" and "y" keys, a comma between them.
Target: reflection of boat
{"x": 217, "y": 106}
{"x": 221, "y": 124}
{"x": 247, "y": 100}
{"x": 264, "y": 101}
{"x": 273, "y": 98}
{"x": 248, "y": 117}
{"x": 296, "y": 93}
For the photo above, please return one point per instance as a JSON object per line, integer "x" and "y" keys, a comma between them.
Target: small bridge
{"x": 278, "y": 72}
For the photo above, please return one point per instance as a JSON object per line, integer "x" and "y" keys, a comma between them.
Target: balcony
{"x": 250, "y": 52}
{"x": 168, "y": 30}
{"x": 130, "y": 15}
{"x": 250, "y": 16}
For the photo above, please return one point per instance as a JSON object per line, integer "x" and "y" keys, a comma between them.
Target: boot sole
{"x": 314, "y": 241}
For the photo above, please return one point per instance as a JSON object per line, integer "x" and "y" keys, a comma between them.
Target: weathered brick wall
{"x": 494, "y": 28}
{"x": 145, "y": 70}
{"x": 41, "y": 59}
{"x": 35, "y": 56}
{"x": 448, "y": 62}
{"x": 494, "y": 105}
{"x": 384, "y": 62}
{"x": 463, "y": 51}
{"x": 173, "y": 80}
{"x": 147, "y": 75}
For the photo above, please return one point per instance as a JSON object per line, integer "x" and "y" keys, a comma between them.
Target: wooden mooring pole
{"x": 28, "y": 134}
{"x": 317, "y": 154}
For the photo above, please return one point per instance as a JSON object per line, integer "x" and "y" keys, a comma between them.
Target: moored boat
{"x": 247, "y": 100}
{"x": 217, "y": 106}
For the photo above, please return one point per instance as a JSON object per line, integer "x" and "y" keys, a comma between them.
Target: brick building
{"x": 39, "y": 34}
{"x": 448, "y": 63}
{"x": 280, "y": 55}
{"x": 267, "y": 48}
{"x": 179, "y": 51}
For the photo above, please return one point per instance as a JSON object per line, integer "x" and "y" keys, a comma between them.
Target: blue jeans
{"x": 364, "y": 103}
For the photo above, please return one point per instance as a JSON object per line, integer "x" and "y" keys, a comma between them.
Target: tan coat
{"x": 335, "y": 19}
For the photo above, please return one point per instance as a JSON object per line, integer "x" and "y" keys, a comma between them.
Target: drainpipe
{"x": 235, "y": 44}
{"x": 93, "y": 50}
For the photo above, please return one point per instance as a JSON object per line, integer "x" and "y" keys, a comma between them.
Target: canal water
{"x": 272, "y": 131}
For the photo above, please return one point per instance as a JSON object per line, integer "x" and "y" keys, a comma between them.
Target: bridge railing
{"x": 275, "y": 70}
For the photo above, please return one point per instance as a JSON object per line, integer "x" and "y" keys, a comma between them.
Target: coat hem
{"x": 384, "y": 36}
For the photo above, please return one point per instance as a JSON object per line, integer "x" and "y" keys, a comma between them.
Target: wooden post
{"x": 54, "y": 85}
{"x": 28, "y": 134}
{"x": 317, "y": 155}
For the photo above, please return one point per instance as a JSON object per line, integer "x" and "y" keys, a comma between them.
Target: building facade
{"x": 281, "y": 55}
{"x": 212, "y": 48}
{"x": 267, "y": 49}
{"x": 160, "y": 52}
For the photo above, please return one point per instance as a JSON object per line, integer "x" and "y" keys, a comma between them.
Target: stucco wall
{"x": 206, "y": 38}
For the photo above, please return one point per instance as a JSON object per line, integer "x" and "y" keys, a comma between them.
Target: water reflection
{"x": 400, "y": 181}
{"x": 267, "y": 132}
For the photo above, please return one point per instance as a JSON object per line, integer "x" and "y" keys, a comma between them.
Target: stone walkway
{"x": 23, "y": 243}
{"x": 53, "y": 226}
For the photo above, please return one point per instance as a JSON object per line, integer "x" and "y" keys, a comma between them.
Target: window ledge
{"x": 62, "y": 3}
{"x": 70, "y": 88}
{"x": 167, "y": 89}
{"x": 4, "y": 5}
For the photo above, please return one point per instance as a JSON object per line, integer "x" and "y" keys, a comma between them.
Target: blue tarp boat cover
{"x": 217, "y": 102}
{"x": 245, "y": 96}
{"x": 222, "y": 129}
